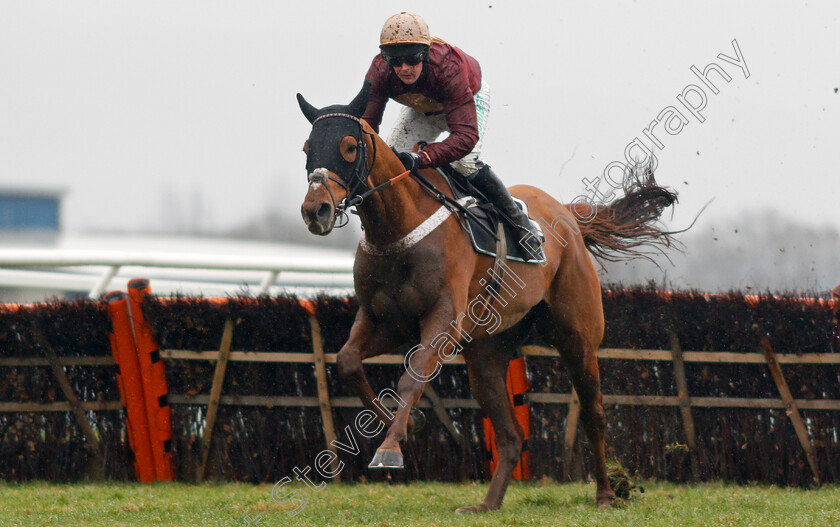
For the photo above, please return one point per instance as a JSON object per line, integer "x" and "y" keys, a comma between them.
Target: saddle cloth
{"x": 485, "y": 213}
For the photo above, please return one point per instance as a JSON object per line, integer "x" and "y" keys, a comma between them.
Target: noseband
{"x": 357, "y": 188}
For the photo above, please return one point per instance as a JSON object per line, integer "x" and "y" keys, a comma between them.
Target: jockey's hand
{"x": 410, "y": 160}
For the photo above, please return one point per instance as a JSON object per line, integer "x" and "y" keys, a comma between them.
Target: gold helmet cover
{"x": 405, "y": 28}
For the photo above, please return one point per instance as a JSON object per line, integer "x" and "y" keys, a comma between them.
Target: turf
{"x": 420, "y": 504}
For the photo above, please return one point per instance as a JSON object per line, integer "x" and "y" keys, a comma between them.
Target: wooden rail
{"x": 531, "y": 351}
{"x": 319, "y": 359}
{"x": 728, "y": 357}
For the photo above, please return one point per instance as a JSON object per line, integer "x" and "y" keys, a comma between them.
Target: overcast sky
{"x": 144, "y": 111}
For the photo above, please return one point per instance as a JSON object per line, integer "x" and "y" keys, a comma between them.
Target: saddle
{"x": 485, "y": 219}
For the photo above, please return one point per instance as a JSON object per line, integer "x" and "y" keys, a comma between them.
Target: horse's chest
{"x": 400, "y": 293}
{"x": 399, "y": 303}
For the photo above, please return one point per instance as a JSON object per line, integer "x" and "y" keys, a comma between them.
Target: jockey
{"x": 443, "y": 91}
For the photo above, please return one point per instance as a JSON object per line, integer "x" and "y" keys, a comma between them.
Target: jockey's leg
{"x": 489, "y": 184}
{"x": 486, "y": 181}
{"x": 413, "y": 127}
{"x": 472, "y": 161}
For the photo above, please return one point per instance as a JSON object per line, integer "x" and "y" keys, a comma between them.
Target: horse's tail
{"x": 622, "y": 229}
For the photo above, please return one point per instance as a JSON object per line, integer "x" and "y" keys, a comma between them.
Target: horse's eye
{"x": 349, "y": 148}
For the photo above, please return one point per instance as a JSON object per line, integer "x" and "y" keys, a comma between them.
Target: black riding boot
{"x": 491, "y": 186}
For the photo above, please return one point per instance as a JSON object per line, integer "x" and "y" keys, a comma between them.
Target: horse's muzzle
{"x": 319, "y": 217}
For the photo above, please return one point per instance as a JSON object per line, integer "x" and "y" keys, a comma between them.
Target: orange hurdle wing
{"x": 517, "y": 386}
{"x": 130, "y": 385}
{"x": 154, "y": 382}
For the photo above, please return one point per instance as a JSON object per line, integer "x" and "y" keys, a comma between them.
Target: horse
{"x": 414, "y": 281}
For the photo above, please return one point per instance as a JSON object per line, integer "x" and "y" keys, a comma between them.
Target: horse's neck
{"x": 393, "y": 212}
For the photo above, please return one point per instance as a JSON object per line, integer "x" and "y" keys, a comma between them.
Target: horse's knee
{"x": 349, "y": 366}
{"x": 592, "y": 414}
{"x": 591, "y": 401}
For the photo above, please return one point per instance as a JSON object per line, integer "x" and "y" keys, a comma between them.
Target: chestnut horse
{"x": 414, "y": 282}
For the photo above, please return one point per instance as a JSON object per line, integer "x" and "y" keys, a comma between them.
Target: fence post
{"x": 790, "y": 405}
{"x": 215, "y": 395}
{"x": 685, "y": 402}
{"x": 835, "y": 295}
{"x": 81, "y": 419}
{"x": 440, "y": 412}
{"x": 571, "y": 431}
{"x": 323, "y": 390}
{"x": 267, "y": 282}
{"x": 102, "y": 284}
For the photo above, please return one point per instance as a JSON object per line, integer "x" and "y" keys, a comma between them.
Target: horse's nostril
{"x": 324, "y": 212}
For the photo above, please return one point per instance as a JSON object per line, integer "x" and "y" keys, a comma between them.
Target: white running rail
{"x": 93, "y": 271}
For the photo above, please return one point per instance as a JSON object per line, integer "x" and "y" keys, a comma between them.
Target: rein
{"x": 361, "y": 197}
{"x": 446, "y": 200}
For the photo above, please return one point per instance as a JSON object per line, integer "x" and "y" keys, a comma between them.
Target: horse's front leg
{"x": 366, "y": 340}
{"x": 422, "y": 364}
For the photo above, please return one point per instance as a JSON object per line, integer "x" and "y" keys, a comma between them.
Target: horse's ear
{"x": 358, "y": 105}
{"x": 309, "y": 111}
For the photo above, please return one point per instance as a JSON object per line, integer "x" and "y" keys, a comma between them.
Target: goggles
{"x": 411, "y": 60}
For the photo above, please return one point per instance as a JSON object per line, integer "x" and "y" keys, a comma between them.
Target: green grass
{"x": 420, "y": 504}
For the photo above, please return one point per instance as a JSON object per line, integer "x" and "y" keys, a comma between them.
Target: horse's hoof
{"x": 387, "y": 459}
{"x": 418, "y": 419}
{"x": 605, "y": 502}
{"x": 472, "y": 510}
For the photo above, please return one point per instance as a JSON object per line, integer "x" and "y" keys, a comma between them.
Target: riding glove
{"x": 410, "y": 160}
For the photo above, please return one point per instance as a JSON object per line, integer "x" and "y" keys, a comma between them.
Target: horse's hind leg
{"x": 575, "y": 325}
{"x": 580, "y": 360}
{"x": 487, "y": 363}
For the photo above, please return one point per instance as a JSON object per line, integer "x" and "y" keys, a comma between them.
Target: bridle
{"x": 357, "y": 188}
{"x": 361, "y": 170}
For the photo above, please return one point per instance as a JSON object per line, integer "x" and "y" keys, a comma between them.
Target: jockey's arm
{"x": 378, "y": 97}
{"x": 461, "y": 119}
{"x": 375, "y": 109}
